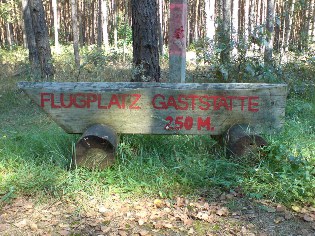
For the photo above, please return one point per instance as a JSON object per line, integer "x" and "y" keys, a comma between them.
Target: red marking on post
{"x": 179, "y": 33}
{"x": 177, "y": 44}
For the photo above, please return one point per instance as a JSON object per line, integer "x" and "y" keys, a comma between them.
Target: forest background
{"x": 241, "y": 28}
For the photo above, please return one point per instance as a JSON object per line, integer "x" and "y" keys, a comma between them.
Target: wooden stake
{"x": 177, "y": 40}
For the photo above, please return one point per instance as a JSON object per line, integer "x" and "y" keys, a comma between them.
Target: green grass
{"x": 35, "y": 156}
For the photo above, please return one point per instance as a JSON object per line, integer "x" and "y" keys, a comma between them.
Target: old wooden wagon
{"x": 239, "y": 112}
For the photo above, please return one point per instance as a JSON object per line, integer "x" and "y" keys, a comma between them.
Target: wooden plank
{"x": 161, "y": 108}
{"x": 177, "y": 40}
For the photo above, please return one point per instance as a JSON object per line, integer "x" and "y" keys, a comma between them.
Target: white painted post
{"x": 177, "y": 40}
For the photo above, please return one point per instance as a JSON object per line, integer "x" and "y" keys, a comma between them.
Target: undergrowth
{"x": 35, "y": 154}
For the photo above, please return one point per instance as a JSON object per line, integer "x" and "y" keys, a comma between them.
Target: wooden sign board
{"x": 161, "y": 108}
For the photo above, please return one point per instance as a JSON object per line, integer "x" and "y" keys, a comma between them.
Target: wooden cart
{"x": 239, "y": 112}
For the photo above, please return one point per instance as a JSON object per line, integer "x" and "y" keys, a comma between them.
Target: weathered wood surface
{"x": 242, "y": 140}
{"x": 161, "y": 108}
{"x": 96, "y": 148}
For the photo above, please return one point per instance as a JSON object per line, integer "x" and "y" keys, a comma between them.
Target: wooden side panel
{"x": 154, "y": 108}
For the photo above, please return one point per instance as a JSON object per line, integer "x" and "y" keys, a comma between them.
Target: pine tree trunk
{"x": 210, "y": 14}
{"x": 125, "y": 30}
{"x": 9, "y": 34}
{"x": 55, "y": 9}
{"x": 289, "y": 8}
{"x": 145, "y": 40}
{"x": 313, "y": 23}
{"x": 83, "y": 24}
{"x": 30, "y": 37}
{"x": 75, "y": 31}
{"x": 251, "y": 18}
{"x": 308, "y": 23}
{"x": 1, "y": 38}
{"x": 246, "y": 19}
{"x": 105, "y": 23}
{"x": 99, "y": 24}
{"x": 277, "y": 29}
{"x": 42, "y": 38}
{"x": 270, "y": 32}
{"x": 196, "y": 35}
{"x": 160, "y": 28}
{"x": 235, "y": 24}
{"x": 226, "y": 33}
{"x": 115, "y": 24}
{"x": 23, "y": 30}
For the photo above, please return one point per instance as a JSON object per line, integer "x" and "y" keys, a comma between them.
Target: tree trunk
{"x": 226, "y": 33}
{"x": 196, "y": 15}
{"x": 115, "y": 24}
{"x": 269, "y": 31}
{"x": 83, "y": 22}
{"x": 246, "y": 19}
{"x": 145, "y": 40}
{"x": 210, "y": 13}
{"x": 99, "y": 24}
{"x": 160, "y": 29}
{"x": 289, "y": 8}
{"x": 55, "y": 9}
{"x": 30, "y": 37}
{"x": 251, "y": 17}
{"x": 125, "y": 30}
{"x": 308, "y": 23}
{"x": 235, "y": 25}
{"x": 23, "y": 27}
{"x": 75, "y": 30}
{"x": 105, "y": 23}
{"x": 276, "y": 42}
{"x": 9, "y": 34}
{"x": 93, "y": 23}
{"x": 313, "y": 23}
{"x": 41, "y": 38}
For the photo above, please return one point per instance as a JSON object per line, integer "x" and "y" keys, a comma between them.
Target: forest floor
{"x": 220, "y": 214}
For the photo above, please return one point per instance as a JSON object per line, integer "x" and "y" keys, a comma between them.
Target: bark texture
{"x": 145, "y": 40}
{"x": 75, "y": 30}
{"x": 30, "y": 38}
{"x": 269, "y": 31}
{"x": 226, "y": 34}
{"x": 41, "y": 38}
